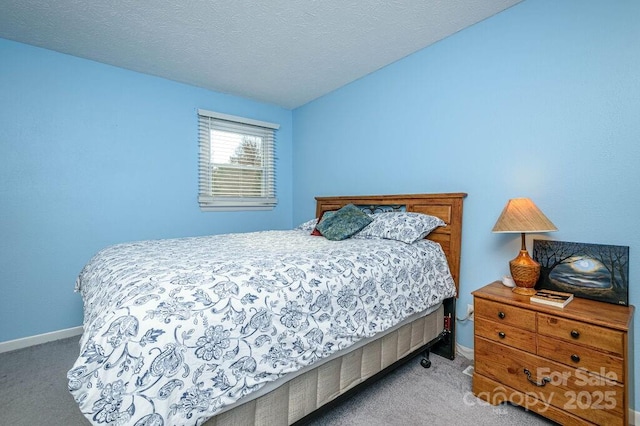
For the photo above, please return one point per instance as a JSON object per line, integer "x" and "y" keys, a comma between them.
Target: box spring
{"x": 305, "y": 393}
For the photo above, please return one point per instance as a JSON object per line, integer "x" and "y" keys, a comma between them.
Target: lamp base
{"x": 525, "y": 272}
{"x": 525, "y": 291}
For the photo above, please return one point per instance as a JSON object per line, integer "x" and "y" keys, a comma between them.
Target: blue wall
{"x": 92, "y": 155}
{"x": 540, "y": 101}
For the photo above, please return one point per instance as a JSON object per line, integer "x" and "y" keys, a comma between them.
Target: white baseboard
{"x": 634, "y": 417}
{"x": 464, "y": 351}
{"x": 12, "y": 345}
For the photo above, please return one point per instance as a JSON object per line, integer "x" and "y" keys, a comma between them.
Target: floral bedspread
{"x": 175, "y": 330}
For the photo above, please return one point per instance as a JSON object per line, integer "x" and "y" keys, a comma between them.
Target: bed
{"x": 262, "y": 328}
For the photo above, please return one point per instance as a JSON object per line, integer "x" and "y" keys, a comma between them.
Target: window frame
{"x": 209, "y": 121}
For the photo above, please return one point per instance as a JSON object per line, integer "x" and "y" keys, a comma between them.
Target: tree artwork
{"x": 592, "y": 271}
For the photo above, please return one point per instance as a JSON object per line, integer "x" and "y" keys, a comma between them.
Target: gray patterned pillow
{"x": 346, "y": 222}
{"x": 407, "y": 227}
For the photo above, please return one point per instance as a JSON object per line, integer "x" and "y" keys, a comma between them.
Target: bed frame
{"x": 307, "y": 395}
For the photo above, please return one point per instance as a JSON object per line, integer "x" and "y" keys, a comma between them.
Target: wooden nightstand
{"x": 568, "y": 364}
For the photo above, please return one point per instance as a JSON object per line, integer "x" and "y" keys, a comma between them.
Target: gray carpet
{"x": 33, "y": 392}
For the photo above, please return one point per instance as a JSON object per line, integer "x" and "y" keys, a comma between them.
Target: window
{"x": 236, "y": 163}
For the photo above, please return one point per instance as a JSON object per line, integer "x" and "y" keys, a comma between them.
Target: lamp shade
{"x": 521, "y": 215}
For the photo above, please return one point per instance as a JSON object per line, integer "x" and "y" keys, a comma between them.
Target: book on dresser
{"x": 552, "y": 298}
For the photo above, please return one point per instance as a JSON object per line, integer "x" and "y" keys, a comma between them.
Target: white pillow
{"x": 407, "y": 227}
{"x": 307, "y": 226}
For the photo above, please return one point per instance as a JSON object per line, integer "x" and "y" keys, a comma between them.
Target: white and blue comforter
{"x": 175, "y": 330}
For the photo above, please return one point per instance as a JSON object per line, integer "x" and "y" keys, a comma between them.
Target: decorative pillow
{"x": 307, "y": 226}
{"x": 407, "y": 227}
{"x": 323, "y": 216}
{"x": 346, "y": 222}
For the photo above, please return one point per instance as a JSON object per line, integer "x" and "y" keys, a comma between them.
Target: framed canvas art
{"x": 591, "y": 271}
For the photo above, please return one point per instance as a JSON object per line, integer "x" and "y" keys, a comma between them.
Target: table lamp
{"x": 521, "y": 215}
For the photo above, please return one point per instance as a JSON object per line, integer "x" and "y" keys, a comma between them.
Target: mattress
{"x": 178, "y": 330}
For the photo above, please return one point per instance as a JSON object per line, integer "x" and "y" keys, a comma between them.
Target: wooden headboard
{"x": 448, "y": 207}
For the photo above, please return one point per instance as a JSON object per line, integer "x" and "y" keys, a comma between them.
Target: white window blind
{"x": 236, "y": 168}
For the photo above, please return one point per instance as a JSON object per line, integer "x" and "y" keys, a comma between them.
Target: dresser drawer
{"x": 577, "y": 356}
{"x": 591, "y": 398}
{"x": 579, "y": 333}
{"x": 505, "y": 334}
{"x": 505, "y": 314}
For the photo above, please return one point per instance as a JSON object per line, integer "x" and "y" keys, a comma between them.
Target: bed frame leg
{"x": 445, "y": 344}
{"x": 425, "y": 361}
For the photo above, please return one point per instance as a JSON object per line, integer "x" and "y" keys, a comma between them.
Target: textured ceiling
{"x": 284, "y": 52}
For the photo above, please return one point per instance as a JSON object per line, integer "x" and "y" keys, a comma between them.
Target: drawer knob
{"x": 501, "y": 335}
{"x": 575, "y": 358}
{"x": 575, "y": 334}
{"x": 501, "y": 315}
{"x": 544, "y": 381}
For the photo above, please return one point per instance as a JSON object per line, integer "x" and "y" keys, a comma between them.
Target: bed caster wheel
{"x": 426, "y": 363}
